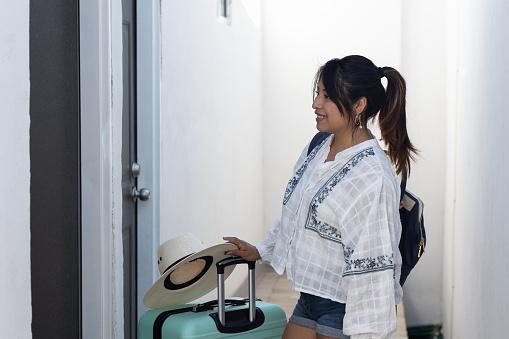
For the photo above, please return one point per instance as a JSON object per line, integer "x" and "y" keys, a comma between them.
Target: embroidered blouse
{"x": 338, "y": 235}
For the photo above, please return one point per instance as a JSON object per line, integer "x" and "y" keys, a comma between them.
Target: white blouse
{"x": 338, "y": 235}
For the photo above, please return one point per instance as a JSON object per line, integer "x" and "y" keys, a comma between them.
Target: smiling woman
{"x": 339, "y": 230}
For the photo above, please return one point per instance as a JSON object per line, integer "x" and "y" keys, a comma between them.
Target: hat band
{"x": 176, "y": 262}
{"x": 168, "y": 284}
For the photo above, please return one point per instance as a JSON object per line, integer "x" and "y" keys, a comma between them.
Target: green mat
{"x": 425, "y": 332}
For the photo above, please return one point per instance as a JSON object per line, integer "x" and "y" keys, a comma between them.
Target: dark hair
{"x": 349, "y": 79}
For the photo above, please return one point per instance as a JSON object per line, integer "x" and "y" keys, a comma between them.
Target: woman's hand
{"x": 246, "y": 250}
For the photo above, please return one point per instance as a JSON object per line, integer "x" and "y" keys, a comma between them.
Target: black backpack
{"x": 413, "y": 235}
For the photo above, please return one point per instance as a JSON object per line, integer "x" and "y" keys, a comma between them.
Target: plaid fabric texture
{"x": 338, "y": 235}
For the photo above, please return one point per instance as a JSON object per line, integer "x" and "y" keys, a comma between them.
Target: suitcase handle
{"x": 221, "y": 265}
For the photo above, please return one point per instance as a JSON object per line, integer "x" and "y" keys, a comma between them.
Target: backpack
{"x": 413, "y": 235}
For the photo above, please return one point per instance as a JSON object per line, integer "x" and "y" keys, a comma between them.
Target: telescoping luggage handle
{"x": 220, "y": 287}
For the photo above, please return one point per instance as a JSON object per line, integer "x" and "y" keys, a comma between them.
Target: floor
{"x": 276, "y": 289}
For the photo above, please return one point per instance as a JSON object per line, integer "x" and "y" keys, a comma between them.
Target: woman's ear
{"x": 360, "y": 105}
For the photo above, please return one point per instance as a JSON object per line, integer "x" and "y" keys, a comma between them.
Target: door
{"x": 130, "y": 169}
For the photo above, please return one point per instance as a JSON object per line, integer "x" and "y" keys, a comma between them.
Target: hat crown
{"x": 174, "y": 250}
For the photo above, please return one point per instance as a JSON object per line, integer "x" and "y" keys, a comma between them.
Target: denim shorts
{"x": 323, "y": 315}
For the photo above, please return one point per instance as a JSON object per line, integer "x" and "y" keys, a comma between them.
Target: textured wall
{"x": 15, "y": 293}
{"x": 423, "y": 49}
{"x": 211, "y": 148}
{"x": 475, "y": 267}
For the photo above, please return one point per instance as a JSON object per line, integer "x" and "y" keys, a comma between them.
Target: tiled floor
{"x": 276, "y": 289}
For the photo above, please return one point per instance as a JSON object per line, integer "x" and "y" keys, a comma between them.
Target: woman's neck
{"x": 347, "y": 139}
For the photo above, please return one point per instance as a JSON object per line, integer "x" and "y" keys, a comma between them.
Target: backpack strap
{"x": 317, "y": 139}
{"x": 403, "y": 185}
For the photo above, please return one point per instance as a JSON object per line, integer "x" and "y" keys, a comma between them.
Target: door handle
{"x": 143, "y": 194}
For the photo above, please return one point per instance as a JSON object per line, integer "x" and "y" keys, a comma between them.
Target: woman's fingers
{"x": 236, "y": 241}
{"x": 245, "y": 250}
{"x": 234, "y": 252}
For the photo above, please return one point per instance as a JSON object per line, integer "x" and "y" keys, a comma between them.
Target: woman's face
{"x": 328, "y": 116}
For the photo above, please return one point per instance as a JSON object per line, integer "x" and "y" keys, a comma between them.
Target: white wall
{"x": 15, "y": 291}
{"x": 211, "y": 126}
{"x": 476, "y": 272}
{"x": 423, "y": 49}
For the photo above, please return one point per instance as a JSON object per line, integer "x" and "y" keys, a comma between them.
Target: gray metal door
{"x": 55, "y": 177}
{"x": 129, "y": 167}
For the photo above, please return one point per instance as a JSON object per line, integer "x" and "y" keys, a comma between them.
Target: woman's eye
{"x": 317, "y": 94}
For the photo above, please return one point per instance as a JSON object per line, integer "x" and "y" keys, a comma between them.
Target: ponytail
{"x": 392, "y": 122}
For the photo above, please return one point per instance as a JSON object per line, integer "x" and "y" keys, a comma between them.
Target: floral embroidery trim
{"x": 323, "y": 229}
{"x": 294, "y": 181}
{"x": 366, "y": 265}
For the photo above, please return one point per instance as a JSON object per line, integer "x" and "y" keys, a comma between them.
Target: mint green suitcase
{"x": 230, "y": 318}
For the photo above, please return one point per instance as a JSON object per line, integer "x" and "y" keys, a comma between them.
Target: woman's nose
{"x": 316, "y": 103}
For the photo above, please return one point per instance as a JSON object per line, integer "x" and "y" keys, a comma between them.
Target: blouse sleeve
{"x": 369, "y": 244}
{"x": 266, "y": 246}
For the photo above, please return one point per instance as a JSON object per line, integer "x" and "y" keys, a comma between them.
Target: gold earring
{"x": 358, "y": 121}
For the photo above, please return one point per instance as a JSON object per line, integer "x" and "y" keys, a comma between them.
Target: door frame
{"x": 148, "y": 55}
{"x": 101, "y": 146}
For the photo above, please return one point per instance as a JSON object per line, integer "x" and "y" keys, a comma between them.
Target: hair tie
{"x": 381, "y": 72}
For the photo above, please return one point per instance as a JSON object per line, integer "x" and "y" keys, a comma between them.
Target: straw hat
{"x": 188, "y": 271}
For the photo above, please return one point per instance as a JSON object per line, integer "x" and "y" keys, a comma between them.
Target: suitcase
{"x": 243, "y": 318}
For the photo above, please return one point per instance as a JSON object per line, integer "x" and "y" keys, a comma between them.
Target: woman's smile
{"x": 320, "y": 117}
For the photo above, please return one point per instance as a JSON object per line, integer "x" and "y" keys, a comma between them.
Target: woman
{"x": 338, "y": 234}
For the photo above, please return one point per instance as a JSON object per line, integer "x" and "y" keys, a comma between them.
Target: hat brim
{"x": 164, "y": 293}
